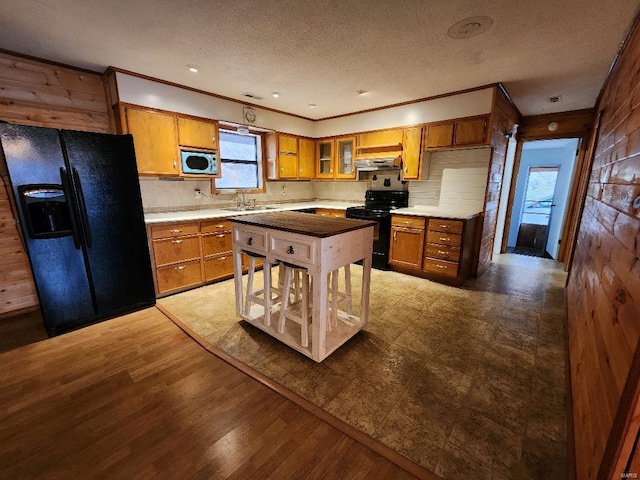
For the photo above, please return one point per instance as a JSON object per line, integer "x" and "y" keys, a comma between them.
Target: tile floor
{"x": 468, "y": 382}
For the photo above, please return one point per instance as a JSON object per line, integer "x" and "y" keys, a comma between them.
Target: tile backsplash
{"x": 173, "y": 195}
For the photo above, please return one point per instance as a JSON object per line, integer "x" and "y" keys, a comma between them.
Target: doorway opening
{"x": 541, "y": 196}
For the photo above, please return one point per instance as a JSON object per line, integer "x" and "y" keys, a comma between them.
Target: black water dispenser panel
{"x": 46, "y": 210}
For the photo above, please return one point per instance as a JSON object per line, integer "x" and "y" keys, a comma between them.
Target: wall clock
{"x": 249, "y": 114}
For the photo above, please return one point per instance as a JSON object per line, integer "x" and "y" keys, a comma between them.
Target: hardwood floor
{"x": 135, "y": 397}
{"x": 22, "y": 329}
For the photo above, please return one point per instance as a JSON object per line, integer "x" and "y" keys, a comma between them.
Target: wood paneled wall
{"x": 41, "y": 94}
{"x": 504, "y": 116}
{"x": 603, "y": 289}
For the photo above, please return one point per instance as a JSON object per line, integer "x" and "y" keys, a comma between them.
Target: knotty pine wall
{"x": 504, "y": 116}
{"x": 603, "y": 289}
{"x": 41, "y": 94}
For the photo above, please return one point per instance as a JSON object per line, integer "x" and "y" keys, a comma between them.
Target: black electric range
{"x": 378, "y": 206}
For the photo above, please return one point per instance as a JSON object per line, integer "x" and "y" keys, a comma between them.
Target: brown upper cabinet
{"x": 380, "y": 138}
{"x": 158, "y": 136}
{"x": 197, "y": 133}
{"x": 290, "y": 157}
{"x": 335, "y": 157}
{"x": 411, "y": 153}
{"x": 155, "y": 137}
{"x": 325, "y": 158}
{"x": 345, "y": 156}
{"x": 462, "y": 132}
{"x": 306, "y": 158}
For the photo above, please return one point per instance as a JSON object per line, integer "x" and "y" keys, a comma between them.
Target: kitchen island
{"x": 320, "y": 245}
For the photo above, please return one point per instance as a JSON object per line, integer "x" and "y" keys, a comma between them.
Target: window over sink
{"x": 241, "y": 160}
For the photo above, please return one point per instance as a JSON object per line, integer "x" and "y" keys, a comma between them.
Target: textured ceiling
{"x": 323, "y": 51}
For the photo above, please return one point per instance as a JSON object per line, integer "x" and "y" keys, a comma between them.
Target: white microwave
{"x": 199, "y": 163}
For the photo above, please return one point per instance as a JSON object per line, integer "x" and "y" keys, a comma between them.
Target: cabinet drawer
{"x": 445, "y": 225}
{"x": 442, "y": 238}
{"x": 173, "y": 250}
{"x": 216, "y": 243}
{"x": 217, "y": 267}
{"x": 293, "y": 249}
{"x": 178, "y": 276}
{"x": 440, "y": 267}
{"x": 408, "y": 221}
{"x": 221, "y": 225}
{"x": 253, "y": 240}
{"x": 174, "y": 230}
{"x": 329, "y": 212}
{"x": 444, "y": 252}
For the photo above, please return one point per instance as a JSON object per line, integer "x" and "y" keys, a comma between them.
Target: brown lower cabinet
{"x": 436, "y": 248}
{"x": 190, "y": 254}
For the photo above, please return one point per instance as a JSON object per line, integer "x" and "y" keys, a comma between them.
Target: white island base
{"x": 318, "y": 244}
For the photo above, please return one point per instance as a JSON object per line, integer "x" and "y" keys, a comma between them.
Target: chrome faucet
{"x": 243, "y": 204}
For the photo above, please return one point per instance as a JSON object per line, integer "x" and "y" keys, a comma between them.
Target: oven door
{"x": 381, "y": 235}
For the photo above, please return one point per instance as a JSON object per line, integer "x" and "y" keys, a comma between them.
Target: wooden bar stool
{"x": 264, "y": 296}
{"x": 298, "y": 310}
{"x": 339, "y": 298}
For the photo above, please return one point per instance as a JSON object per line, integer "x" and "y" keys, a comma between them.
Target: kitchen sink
{"x": 252, "y": 209}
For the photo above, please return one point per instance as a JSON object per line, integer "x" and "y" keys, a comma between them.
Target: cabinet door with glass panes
{"x": 324, "y": 167}
{"x": 345, "y": 150}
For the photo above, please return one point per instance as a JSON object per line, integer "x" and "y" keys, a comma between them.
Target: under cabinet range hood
{"x": 383, "y": 163}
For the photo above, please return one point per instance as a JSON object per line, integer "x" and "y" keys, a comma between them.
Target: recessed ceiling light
{"x": 193, "y": 68}
{"x": 470, "y": 27}
{"x": 312, "y": 105}
{"x": 275, "y": 94}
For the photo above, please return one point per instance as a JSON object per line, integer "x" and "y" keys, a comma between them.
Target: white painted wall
{"x": 140, "y": 91}
{"x": 478, "y": 102}
{"x": 542, "y": 153}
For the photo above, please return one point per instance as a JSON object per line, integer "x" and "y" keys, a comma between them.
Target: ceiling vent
{"x": 555, "y": 99}
{"x": 252, "y": 96}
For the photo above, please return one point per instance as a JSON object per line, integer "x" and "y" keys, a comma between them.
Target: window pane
{"x": 238, "y": 147}
{"x": 238, "y": 175}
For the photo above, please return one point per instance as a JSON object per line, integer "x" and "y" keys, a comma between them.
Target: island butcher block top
{"x": 303, "y": 223}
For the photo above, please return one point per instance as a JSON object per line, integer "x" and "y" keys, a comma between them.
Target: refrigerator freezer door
{"x": 34, "y": 156}
{"x": 105, "y": 179}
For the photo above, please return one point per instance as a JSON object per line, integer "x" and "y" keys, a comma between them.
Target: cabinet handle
{"x": 395, "y": 234}
{"x": 176, "y": 230}
{"x": 443, "y": 267}
{"x": 406, "y": 169}
{"x": 250, "y": 241}
{"x": 177, "y": 241}
{"x": 331, "y": 170}
{"x": 220, "y": 236}
{"x": 221, "y": 258}
{"x": 445, "y": 239}
{"x": 406, "y": 222}
{"x": 290, "y": 250}
{"x": 300, "y": 170}
{"x": 175, "y": 165}
{"x": 440, "y": 252}
{"x": 447, "y": 227}
{"x": 220, "y": 225}
{"x": 281, "y": 169}
{"x": 181, "y": 267}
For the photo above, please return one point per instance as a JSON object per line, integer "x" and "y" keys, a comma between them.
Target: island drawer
{"x": 444, "y": 252}
{"x": 292, "y": 248}
{"x": 440, "y": 267}
{"x": 408, "y": 221}
{"x": 173, "y": 277}
{"x": 174, "y": 250}
{"x": 174, "y": 230}
{"x": 215, "y": 244}
{"x": 213, "y": 226}
{"x": 442, "y": 238}
{"x": 251, "y": 239}
{"x": 445, "y": 225}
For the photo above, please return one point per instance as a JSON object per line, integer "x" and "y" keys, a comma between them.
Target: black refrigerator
{"x": 80, "y": 211}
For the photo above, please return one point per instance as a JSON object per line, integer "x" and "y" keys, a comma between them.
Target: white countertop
{"x": 188, "y": 215}
{"x": 459, "y": 213}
